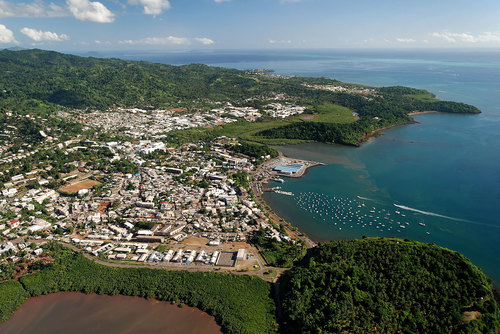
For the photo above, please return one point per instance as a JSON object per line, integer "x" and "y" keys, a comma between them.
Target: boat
{"x": 278, "y": 179}
{"x": 421, "y": 224}
{"x": 288, "y": 193}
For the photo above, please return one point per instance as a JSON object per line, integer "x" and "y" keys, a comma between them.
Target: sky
{"x": 85, "y": 25}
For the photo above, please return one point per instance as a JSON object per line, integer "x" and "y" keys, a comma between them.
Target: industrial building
{"x": 289, "y": 169}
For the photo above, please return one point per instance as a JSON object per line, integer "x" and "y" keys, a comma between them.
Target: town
{"x": 140, "y": 200}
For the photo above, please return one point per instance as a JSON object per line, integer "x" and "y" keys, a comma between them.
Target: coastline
{"x": 413, "y": 113}
{"x": 264, "y": 174}
{"x": 372, "y": 134}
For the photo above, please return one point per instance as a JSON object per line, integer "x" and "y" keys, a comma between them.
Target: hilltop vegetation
{"x": 387, "y": 286}
{"x": 80, "y": 82}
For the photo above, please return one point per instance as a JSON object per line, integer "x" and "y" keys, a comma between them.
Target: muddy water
{"x": 77, "y": 313}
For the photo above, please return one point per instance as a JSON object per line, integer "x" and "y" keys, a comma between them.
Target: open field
{"x": 196, "y": 241}
{"x": 423, "y": 97}
{"x": 326, "y": 113}
{"x": 332, "y": 113}
{"x": 79, "y": 185}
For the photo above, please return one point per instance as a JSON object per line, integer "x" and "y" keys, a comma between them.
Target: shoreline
{"x": 372, "y": 134}
{"x": 496, "y": 286}
{"x": 267, "y": 169}
{"x": 263, "y": 175}
{"x": 413, "y": 113}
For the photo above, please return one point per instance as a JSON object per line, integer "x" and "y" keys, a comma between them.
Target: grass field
{"x": 326, "y": 113}
{"x": 426, "y": 97}
{"x": 332, "y": 113}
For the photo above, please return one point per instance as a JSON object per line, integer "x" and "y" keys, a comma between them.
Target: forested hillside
{"x": 387, "y": 286}
{"x": 81, "y": 82}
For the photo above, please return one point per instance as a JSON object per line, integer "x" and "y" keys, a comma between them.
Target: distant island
{"x": 142, "y": 179}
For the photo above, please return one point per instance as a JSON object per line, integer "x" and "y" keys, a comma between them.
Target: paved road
{"x": 191, "y": 268}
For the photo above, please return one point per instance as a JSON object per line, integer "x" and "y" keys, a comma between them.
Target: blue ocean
{"x": 435, "y": 181}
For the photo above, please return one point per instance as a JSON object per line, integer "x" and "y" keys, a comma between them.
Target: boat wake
{"x": 442, "y": 216}
{"x": 427, "y": 213}
{"x": 365, "y": 198}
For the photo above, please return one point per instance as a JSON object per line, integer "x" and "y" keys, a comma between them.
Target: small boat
{"x": 421, "y": 224}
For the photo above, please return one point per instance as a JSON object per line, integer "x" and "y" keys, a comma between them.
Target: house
{"x": 14, "y": 223}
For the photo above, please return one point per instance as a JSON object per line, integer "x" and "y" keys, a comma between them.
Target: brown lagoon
{"x": 78, "y": 313}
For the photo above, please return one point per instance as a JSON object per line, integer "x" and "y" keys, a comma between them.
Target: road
{"x": 186, "y": 267}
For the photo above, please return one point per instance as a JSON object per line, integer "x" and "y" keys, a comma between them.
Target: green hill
{"x": 387, "y": 286}
{"x": 83, "y": 82}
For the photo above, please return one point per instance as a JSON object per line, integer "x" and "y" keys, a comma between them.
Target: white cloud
{"x": 454, "y": 37}
{"x": 465, "y": 37}
{"x": 152, "y": 7}
{"x": 405, "y": 40}
{"x": 168, "y": 40}
{"x": 219, "y": 1}
{"x": 273, "y": 41}
{"x": 86, "y": 10}
{"x": 159, "y": 41}
{"x": 98, "y": 42}
{"x": 489, "y": 37}
{"x": 34, "y": 9}
{"x": 6, "y": 35}
{"x": 204, "y": 40}
{"x": 38, "y": 35}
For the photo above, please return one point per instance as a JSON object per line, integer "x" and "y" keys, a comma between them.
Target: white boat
{"x": 421, "y": 224}
{"x": 288, "y": 193}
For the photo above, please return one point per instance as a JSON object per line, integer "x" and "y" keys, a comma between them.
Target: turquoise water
{"x": 443, "y": 172}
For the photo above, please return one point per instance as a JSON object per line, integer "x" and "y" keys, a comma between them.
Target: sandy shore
{"x": 422, "y": 112}
{"x": 374, "y": 132}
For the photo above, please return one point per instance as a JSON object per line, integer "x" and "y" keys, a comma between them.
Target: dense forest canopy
{"x": 387, "y": 286}
{"x": 80, "y": 82}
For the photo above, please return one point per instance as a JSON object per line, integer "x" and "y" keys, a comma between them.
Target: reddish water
{"x": 77, "y": 313}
